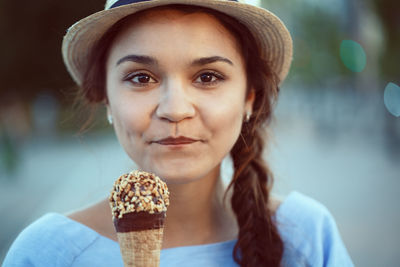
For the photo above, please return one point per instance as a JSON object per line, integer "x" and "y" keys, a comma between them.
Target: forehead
{"x": 172, "y": 15}
{"x": 195, "y": 26}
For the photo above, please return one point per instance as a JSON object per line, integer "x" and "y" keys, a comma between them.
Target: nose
{"x": 175, "y": 103}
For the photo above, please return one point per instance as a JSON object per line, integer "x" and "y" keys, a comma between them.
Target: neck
{"x": 197, "y": 214}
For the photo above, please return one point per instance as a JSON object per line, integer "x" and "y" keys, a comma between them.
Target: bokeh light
{"x": 391, "y": 99}
{"x": 353, "y": 55}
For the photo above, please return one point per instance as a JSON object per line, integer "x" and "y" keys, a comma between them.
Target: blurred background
{"x": 336, "y": 136}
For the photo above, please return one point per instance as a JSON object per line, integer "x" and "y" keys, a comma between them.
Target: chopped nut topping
{"x": 138, "y": 191}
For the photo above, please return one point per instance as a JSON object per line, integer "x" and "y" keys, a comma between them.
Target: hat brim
{"x": 273, "y": 37}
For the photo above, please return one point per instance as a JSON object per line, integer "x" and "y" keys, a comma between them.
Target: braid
{"x": 259, "y": 243}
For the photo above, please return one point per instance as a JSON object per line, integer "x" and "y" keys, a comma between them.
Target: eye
{"x": 209, "y": 78}
{"x": 140, "y": 79}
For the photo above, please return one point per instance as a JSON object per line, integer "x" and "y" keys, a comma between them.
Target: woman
{"x": 184, "y": 86}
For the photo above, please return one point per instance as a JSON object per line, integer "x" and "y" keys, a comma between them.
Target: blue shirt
{"x": 309, "y": 232}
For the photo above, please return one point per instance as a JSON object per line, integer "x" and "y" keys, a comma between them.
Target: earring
{"x": 248, "y": 115}
{"x": 110, "y": 119}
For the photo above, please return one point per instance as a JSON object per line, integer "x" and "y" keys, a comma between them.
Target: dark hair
{"x": 259, "y": 242}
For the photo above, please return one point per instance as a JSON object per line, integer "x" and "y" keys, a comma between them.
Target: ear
{"x": 109, "y": 114}
{"x": 105, "y": 101}
{"x": 249, "y": 101}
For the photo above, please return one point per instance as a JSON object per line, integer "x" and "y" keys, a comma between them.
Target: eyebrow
{"x": 209, "y": 60}
{"x": 152, "y": 61}
{"x": 138, "y": 59}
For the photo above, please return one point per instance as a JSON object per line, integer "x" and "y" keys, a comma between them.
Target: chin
{"x": 180, "y": 172}
{"x": 178, "y": 175}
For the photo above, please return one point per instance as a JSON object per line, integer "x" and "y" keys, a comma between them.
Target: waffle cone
{"x": 141, "y": 248}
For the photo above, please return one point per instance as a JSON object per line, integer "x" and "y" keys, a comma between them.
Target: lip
{"x": 175, "y": 141}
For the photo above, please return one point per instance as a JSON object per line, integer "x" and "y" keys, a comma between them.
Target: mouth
{"x": 173, "y": 141}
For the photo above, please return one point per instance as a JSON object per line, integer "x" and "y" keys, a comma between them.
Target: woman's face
{"x": 176, "y": 88}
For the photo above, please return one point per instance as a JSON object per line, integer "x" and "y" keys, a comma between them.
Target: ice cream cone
{"x": 139, "y": 202}
{"x": 141, "y": 248}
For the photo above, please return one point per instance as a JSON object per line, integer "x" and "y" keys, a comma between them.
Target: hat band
{"x": 127, "y": 2}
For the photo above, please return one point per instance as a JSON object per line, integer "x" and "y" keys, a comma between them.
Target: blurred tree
{"x": 32, "y": 33}
{"x": 388, "y": 12}
{"x": 317, "y": 29}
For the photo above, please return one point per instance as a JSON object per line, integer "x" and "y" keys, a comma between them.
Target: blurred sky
{"x": 336, "y": 136}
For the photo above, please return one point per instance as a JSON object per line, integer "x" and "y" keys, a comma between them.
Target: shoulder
{"x": 52, "y": 240}
{"x": 302, "y": 209}
{"x": 97, "y": 217}
{"x": 310, "y": 233}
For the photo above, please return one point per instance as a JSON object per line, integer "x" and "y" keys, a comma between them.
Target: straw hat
{"x": 273, "y": 37}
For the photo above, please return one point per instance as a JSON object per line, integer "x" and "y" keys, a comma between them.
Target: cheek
{"x": 225, "y": 121}
{"x": 129, "y": 119}
{"x": 129, "y": 109}
{"x": 227, "y": 113}
{"x": 131, "y": 116}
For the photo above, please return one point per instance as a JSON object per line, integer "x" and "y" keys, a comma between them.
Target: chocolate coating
{"x": 139, "y": 221}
